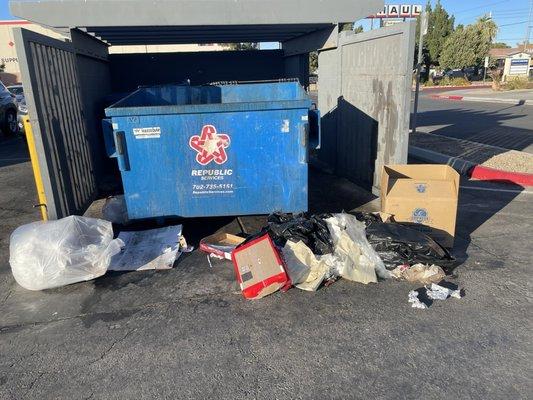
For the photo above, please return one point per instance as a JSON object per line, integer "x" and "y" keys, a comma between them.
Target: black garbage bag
{"x": 366, "y": 218}
{"x": 398, "y": 244}
{"x": 312, "y": 230}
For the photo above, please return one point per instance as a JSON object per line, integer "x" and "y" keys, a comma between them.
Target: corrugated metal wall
{"x": 129, "y": 71}
{"x": 52, "y": 88}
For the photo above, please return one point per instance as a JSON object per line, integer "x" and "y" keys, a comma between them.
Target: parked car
{"x": 8, "y": 111}
{"x": 22, "y": 109}
{"x": 450, "y": 73}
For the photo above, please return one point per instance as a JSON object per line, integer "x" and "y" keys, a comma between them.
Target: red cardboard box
{"x": 259, "y": 268}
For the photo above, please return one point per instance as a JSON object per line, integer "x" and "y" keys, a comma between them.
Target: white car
{"x": 22, "y": 109}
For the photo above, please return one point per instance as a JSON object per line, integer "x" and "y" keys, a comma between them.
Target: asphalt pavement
{"x": 188, "y": 333}
{"x": 502, "y": 125}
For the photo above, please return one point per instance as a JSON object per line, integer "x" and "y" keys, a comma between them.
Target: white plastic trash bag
{"x": 359, "y": 261}
{"x": 45, "y": 255}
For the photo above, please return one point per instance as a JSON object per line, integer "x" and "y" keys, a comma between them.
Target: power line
{"x": 512, "y": 11}
{"x": 505, "y": 17}
{"x": 514, "y": 23}
{"x": 486, "y": 5}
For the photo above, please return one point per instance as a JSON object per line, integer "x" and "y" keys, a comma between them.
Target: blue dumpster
{"x": 214, "y": 150}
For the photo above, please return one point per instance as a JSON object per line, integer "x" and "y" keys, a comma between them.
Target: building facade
{"x": 8, "y": 51}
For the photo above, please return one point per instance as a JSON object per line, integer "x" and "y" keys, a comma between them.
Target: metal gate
{"x": 364, "y": 97}
{"x": 53, "y": 93}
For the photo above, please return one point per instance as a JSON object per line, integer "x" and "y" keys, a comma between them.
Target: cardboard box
{"x": 425, "y": 195}
{"x": 220, "y": 244}
{"x": 259, "y": 268}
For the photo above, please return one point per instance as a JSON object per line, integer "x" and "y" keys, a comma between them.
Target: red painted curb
{"x": 453, "y": 97}
{"x": 490, "y": 174}
{"x": 455, "y": 87}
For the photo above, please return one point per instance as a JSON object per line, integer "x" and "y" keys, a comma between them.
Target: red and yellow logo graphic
{"x": 210, "y": 145}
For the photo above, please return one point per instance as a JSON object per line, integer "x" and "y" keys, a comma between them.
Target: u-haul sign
{"x": 399, "y": 11}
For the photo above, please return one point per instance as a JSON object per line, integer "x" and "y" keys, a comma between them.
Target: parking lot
{"x": 187, "y": 332}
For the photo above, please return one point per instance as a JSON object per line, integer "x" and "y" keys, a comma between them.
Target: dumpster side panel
{"x": 234, "y": 163}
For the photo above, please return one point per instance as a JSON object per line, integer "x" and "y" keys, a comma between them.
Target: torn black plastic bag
{"x": 311, "y": 230}
{"x": 397, "y": 244}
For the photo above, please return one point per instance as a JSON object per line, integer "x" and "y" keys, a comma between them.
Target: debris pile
{"x": 307, "y": 251}
{"x": 304, "y": 251}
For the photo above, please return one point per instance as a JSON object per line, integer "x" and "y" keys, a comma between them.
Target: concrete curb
{"x": 470, "y": 169}
{"x": 483, "y": 99}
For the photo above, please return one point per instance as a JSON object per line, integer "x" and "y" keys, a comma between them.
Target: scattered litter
{"x": 220, "y": 244}
{"x": 184, "y": 247}
{"x": 45, "y": 255}
{"x": 259, "y": 268}
{"x": 415, "y": 301}
{"x": 150, "y": 249}
{"x": 115, "y": 211}
{"x": 439, "y": 292}
{"x": 422, "y": 273}
{"x": 424, "y": 296}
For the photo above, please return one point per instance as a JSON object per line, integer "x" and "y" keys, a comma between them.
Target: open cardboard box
{"x": 220, "y": 244}
{"x": 424, "y": 195}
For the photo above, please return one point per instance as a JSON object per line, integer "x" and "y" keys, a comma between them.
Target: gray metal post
{"x": 528, "y": 27}
{"x": 423, "y": 28}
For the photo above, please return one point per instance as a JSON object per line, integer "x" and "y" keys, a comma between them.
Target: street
{"x": 188, "y": 333}
{"x": 503, "y": 125}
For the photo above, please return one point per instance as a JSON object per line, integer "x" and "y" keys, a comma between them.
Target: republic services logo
{"x": 210, "y": 145}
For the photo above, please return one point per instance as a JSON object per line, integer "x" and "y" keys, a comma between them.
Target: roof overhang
{"x": 129, "y": 22}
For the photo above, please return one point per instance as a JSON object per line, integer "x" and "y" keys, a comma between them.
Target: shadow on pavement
{"x": 13, "y": 151}
{"x": 479, "y": 201}
{"x": 484, "y": 127}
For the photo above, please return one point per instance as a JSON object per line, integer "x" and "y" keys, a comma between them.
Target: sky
{"x": 510, "y": 15}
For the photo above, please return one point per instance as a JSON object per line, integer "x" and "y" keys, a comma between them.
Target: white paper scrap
{"x": 151, "y": 249}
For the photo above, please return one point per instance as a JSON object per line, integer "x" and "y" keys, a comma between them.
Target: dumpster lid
{"x": 129, "y": 22}
{"x": 185, "y": 99}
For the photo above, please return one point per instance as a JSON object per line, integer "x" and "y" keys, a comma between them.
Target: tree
{"x": 345, "y": 26}
{"x": 440, "y": 26}
{"x": 468, "y": 47}
{"x": 313, "y": 62}
{"x": 499, "y": 45}
{"x": 359, "y": 29}
{"x": 244, "y": 46}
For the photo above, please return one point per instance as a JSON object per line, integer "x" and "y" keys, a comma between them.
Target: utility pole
{"x": 423, "y": 31}
{"x": 528, "y": 27}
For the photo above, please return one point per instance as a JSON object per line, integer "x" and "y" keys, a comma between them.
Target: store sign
{"x": 399, "y": 11}
{"x": 519, "y": 66}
